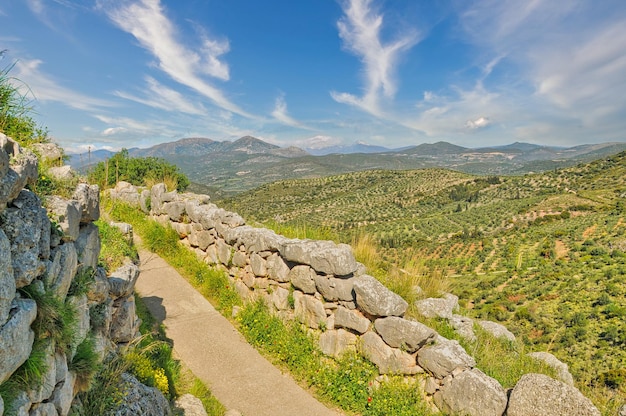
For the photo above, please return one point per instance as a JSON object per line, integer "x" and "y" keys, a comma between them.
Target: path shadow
{"x": 155, "y": 306}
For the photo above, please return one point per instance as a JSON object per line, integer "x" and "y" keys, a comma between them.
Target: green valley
{"x": 543, "y": 254}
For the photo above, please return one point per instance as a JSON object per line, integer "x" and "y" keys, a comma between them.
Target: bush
{"x": 138, "y": 171}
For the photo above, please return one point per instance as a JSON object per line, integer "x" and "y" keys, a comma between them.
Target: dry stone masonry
{"x": 320, "y": 284}
{"x": 44, "y": 250}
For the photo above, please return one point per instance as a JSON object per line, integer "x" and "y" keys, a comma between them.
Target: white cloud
{"x": 317, "y": 142}
{"x": 111, "y": 131}
{"x": 45, "y": 88}
{"x": 147, "y": 22}
{"x": 164, "y": 98}
{"x": 36, "y": 6}
{"x": 280, "y": 113}
{"x": 479, "y": 123}
{"x": 360, "y": 30}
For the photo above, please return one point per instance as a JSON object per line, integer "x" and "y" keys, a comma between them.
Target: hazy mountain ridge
{"x": 235, "y": 166}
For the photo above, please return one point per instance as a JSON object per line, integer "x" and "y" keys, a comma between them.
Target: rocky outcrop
{"x": 540, "y": 395}
{"x": 141, "y": 400}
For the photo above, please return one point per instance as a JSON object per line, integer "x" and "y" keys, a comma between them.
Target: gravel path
{"x": 238, "y": 376}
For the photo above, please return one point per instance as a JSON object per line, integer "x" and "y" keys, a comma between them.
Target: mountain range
{"x": 224, "y": 168}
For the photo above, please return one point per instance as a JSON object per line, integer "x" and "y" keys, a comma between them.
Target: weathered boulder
{"x": 224, "y": 252}
{"x": 444, "y": 357}
{"x": 334, "y": 289}
{"x": 124, "y": 324}
{"x": 60, "y": 271}
{"x": 63, "y": 173}
{"x": 88, "y": 197}
{"x": 125, "y": 192}
{"x": 388, "y": 360}
{"x": 405, "y": 334}
{"x": 324, "y": 257}
{"x": 280, "y": 298}
{"x": 354, "y": 320}
{"x": 7, "y": 281}
{"x": 254, "y": 239}
{"x": 174, "y": 210}
{"x": 82, "y": 314}
{"x": 99, "y": 290}
{"x": 190, "y": 405}
{"x": 438, "y": 307}
{"x": 472, "y": 393}
{"x": 337, "y": 342}
{"x": 239, "y": 259}
{"x": 201, "y": 239}
{"x": 309, "y": 310}
{"x": 16, "y": 337}
{"x": 301, "y": 277}
{"x": 463, "y": 326}
{"x": 562, "y": 370}
{"x": 497, "y": 330}
{"x": 277, "y": 269}
{"x": 88, "y": 246}
{"x": 540, "y": 395}
{"x": 27, "y": 227}
{"x": 122, "y": 281}
{"x": 20, "y": 170}
{"x": 67, "y": 214}
{"x": 50, "y": 152}
{"x": 258, "y": 264}
{"x": 373, "y": 298}
{"x": 141, "y": 400}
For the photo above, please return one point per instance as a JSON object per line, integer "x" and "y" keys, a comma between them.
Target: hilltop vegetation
{"x": 543, "y": 253}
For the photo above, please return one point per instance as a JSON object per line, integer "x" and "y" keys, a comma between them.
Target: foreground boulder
{"x": 373, "y": 298}
{"x": 540, "y": 395}
{"x": 444, "y": 357}
{"x": 472, "y": 393}
{"x": 405, "y": 334}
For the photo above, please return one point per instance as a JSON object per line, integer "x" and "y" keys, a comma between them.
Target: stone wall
{"x": 321, "y": 284}
{"x": 43, "y": 251}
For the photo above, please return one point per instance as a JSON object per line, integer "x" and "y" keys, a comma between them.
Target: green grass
{"x": 85, "y": 363}
{"x": 349, "y": 382}
{"x": 115, "y": 247}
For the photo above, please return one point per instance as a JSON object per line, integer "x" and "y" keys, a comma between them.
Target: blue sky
{"x": 125, "y": 73}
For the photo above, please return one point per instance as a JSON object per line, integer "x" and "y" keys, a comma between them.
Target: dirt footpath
{"x": 239, "y": 377}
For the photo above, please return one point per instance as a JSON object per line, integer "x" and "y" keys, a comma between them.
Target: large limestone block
{"x": 16, "y": 337}
{"x": 258, "y": 264}
{"x": 540, "y": 395}
{"x": 190, "y": 405}
{"x": 301, "y": 277}
{"x": 88, "y": 197}
{"x": 337, "y": 342}
{"x": 472, "y": 393}
{"x": 444, "y": 357}
{"x": 309, "y": 310}
{"x": 255, "y": 240}
{"x": 562, "y": 370}
{"x": 240, "y": 259}
{"x": 124, "y": 324}
{"x": 324, "y": 257}
{"x": 88, "y": 246}
{"x": 277, "y": 269}
{"x": 354, "y": 320}
{"x": 27, "y": 227}
{"x": 159, "y": 196}
{"x": 388, "y": 360}
{"x": 99, "y": 290}
{"x": 201, "y": 239}
{"x": 141, "y": 400}
{"x": 60, "y": 271}
{"x": 373, "y": 298}
{"x": 62, "y": 173}
{"x": 224, "y": 252}
{"x": 50, "y": 152}
{"x": 82, "y": 314}
{"x": 122, "y": 281}
{"x": 334, "y": 289}
{"x": 405, "y": 334}
{"x": 438, "y": 307}
{"x": 175, "y": 210}
{"x": 463, "y": 326}
{"x": 7, "y": 281}
{"x": 67, "y": 214}
{"x": 280, "y": 298}
{"x": 64, "y": 394}
{"x": 21, "y": 170}
{"x": 125, "y": 192}
{"x": 497, "y": 330}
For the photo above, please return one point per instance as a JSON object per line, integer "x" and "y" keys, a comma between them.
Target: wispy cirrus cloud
{"x": 46, "y": 88}
{"x": 159, "y": 96}
{"x": 280, "y": 113}
{"x": 147, "y": 22}
{"x": 360, "y": 30}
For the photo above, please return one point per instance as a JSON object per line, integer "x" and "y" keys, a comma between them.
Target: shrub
{"x": 85, "y": 363}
